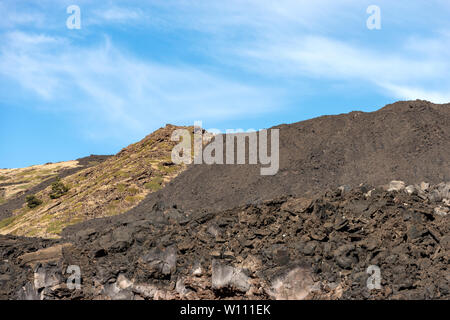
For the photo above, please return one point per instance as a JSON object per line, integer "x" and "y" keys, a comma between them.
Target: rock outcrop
{"x": 324, "y": 247}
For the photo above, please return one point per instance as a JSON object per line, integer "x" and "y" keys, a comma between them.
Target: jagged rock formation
{"x": 286, "y": 248}
{"x": 315, "y": 230}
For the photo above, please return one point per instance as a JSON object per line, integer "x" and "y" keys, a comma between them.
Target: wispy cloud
{"x": 303, "y": 40}
{"x": 136, "y": 65}
{"x": 313, "y": 57}
{"x": 413, "y": 93}
{"x": 115, "y": 14}
{"x": 223, "y": 55}
{"x": 112, "y": 86}
{"x": 325, "y": 38}
{"x": 13, "y": 16}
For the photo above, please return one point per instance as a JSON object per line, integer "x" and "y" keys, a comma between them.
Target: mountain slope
{"x": 16, "y": 184}
{"x": 178, "y": 243}
{"x": 407, "y": 140}
{"x": 286, "y": 248}
{"x": 109, "y": 188}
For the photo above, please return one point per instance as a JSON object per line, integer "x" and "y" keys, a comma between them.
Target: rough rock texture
{"x": 225, "y": 231}
{"x": 407, "y": 141}
{"x": 36, "y": 178}
{"x": 285, "y": 248}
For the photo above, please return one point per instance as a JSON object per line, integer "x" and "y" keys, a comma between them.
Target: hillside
{"x": 16, "y": 184}
{"x": 335, "y": 208}
{"x": 284, "y": 248}
{"x": 407, "y": 141}
{"x": 109, "y": 188}
{"x": 13, "y": 181}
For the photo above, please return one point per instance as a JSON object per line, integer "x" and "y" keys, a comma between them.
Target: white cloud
{"x": 413, "y": 93}
{"x": 411, "y": 66}
{"x": 116, "y": 14}
{"x": 272, "y": 40}
{"x": 14, "y": 16}
{"x": 254, "y": 16}
{"x": 304, "y": 39}
{"x": 115, "y": 88}
{"x": 324, "y": 39}
{"x": 324, "y": 57}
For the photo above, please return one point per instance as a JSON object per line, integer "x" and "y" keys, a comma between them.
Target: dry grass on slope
{"x": 109, "y": 188}
{"x": 16, "y": 181}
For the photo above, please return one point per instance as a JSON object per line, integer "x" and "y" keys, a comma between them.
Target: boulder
{"x": 181, "y": 289}
{"x": 197, "y": 269}
{"x": 441, "y": 211}
{"x": 159, "y": 263}
{"x": 444, "y": 189}
{"x": 51, "y": 254}
{"x": 446, "y": 202}
{"x": 434, "y": 196}
{"x": 114, "y": 292}
{"x": 424, "y": 186}
{"x": 46, "y": 276}
{"x": 295, "y": 285}
{"x": 396, "y": 185}
{"x": 411, "y": 189}
{"x": 346, "y": 256}
{"x": 226, "y": 277}
{"x": 344, "y": 189}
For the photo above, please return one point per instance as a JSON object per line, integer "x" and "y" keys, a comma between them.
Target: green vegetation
{"x": 167, "y": 167}
{"x": 33, "y": 233}
{"x": 155, "y": 184}
{"x": 121, "y": 187}
{"x": 24, "y": 186}
{"x": 123, "y": 174}
{"x": 55, "y": 227}
{"x": 133, "y": 191}
{"x": 113, "y": 207}
{"x": 132, "y": 199}
{"x": 32, "y": 201}
{"x": 58, "y": 189}
{"x": 8, "y": 221}
{"x": 24, "y": 173}
{"x": 107, "y": 189}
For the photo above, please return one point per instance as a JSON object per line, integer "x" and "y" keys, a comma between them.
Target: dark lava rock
{"x": 255, "y": 251}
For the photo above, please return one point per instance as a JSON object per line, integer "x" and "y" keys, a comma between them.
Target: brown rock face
{"x": 51, "y": 254}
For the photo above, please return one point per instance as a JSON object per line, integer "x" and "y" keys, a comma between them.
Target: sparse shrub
{"x": 167, "y": 167}
{"x": 58, "y": 189}
{"x": 133, "y": 191}
{"x": 155, "y": 184}
{"x": 121, "y": 187}
{"x": 32, "y": 201}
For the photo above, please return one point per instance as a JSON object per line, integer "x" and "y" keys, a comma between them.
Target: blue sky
{"x": 136, "y": 65}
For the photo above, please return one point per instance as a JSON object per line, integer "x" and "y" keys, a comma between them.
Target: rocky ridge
{"x": 407, "y": 140}
{"x": 16, "y": 184}
{"x": 108, "y": 188}
{"x": 285, "y": 248}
